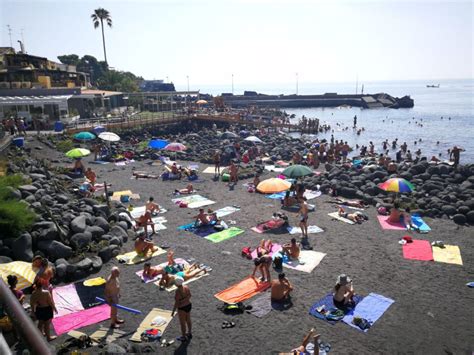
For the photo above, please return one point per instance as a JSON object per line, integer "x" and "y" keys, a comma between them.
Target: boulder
{"x": 449, "y": 210}
{"x": 95, "y": 231}
{"x": 115, "y": 241}
{"x": 348, "y": 192}
{"x": 13, "y": 193}
{"x": 81, "y": 240}
{"x": 78, "y": 224}
{"x": 27, "y": 189}
{"x": 96, "y": 263}
{"x": 50, "y": 233}
{"x": 5, "y": 259}
{"x": 22, "y": 249}
{"x": 124, "y": 225}
{"x": 109, "y": 252}
{"x": 85, "y": 264}
{"x": 470, "y": 217}
{"x": 55, "y": 249}
{"x": 60, "y": 261}
{"x": 90, "y": 201}
{"x": 102, "y": 223}
{"x": 61, "y": 272}
{"x": 63, "y": 199}
{"x": 101, "y": 209}
{"x": 459, "y": 218}
{"x": 117, "y": 231}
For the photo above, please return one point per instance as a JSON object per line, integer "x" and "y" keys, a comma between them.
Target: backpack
{"x": 247, "y": 252}
{"x": 233, "y": 308}
{"x": 278, "y": 262}
{"x": 151, "y": 334}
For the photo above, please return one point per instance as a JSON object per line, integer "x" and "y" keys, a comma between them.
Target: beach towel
{"x": 310, "y": 194}
{"x": 261, "y": 305}
{"x": 242, "y": 290}
{"x": 274, "y": 168}
{"x": 22, "y": 270}
{"x": 106, "y": 335}
{"x": 226, "y": 211}
{"x": 418, "y": 250}
{"x": 147, "y": 280}
{"x": 276, "y": 196}
{"x": 267, "y": 226}
{"x": 311, "y": 230}
{"x": 201, "y": 231}
{"x": 306, "y": 262}
{"x": 275, "y": 249}
{"x": 125, "y": 162}
{"x": 372, "y": 307}
{"x": 385, "y": 224}
{"x": 450, "y": 254}
{"x": 77, "y": 297}
{"x": 165, "y": 317}
{"x": 335, "y": 215}
{"x": 101, "y": 162}
{"x": 140, "y": 211}
{"x": 420, "y": 225}
{"x": 132, "y": 257}
{"x": 193, "y": 201}
{"x": 327, "y": 304}
{"x": 296, "y": 208}
{"x": 81, "y": 319}
{"x": 209, "y": 170}
{"x": 224, "y": 235}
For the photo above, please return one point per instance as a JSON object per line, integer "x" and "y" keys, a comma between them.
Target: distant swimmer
{"x": 437, "y": 142}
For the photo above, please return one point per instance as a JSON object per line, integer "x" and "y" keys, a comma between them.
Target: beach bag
{"x": 192, "y": 177}
{"x": 233, "y": 308}
{"x": 124, "y": 198}
{"x": 278, "y": 262}
{"x": 247, "y": 252}
{"x": 151, "y": 335}
{"x": 382, "y": 211}
{"x": 250, "y": 189}
{"x": 183, "y": 204}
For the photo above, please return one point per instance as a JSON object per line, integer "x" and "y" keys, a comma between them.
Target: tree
{"x": 69, "y": 59}
{"x": 118, "y": 81}
{"x": 98, "y": 17}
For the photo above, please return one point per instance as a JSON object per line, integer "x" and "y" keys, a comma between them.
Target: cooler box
{"x": 225, "y": 177}
{"x": 58, "y": 126}
{"x": 19, "y": 141}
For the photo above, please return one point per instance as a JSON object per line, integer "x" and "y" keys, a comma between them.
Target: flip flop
{"x": 225, "y": 325}
{"x": 470, "y": 284}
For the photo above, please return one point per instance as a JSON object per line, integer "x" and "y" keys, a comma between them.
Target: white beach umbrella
{"x": 253, "y": 139}
{"x": 109, "y": 137}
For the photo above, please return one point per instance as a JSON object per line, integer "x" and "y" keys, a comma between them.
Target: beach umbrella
{"x": 296, "y": 171}
{"x": 253, "y": 139}
{"x": 397, "y": 185}
{"x": 84, "y": 136}
{"x": 157, "y": 143}
{"x": 229, "y": 135}
{"x": 175, "y": 147}
{"x": 98, "y": 129}
{"x": 201, "y": 102}
{"x": 78, "y": 153}
{"x": 22, "y": 270}
{"x": 109, "y": 137}
{"x": 273, "y": 185}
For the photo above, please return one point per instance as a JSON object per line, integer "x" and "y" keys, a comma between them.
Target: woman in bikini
{"x": 183, "y": 304}
{"x": 344, "y": 293}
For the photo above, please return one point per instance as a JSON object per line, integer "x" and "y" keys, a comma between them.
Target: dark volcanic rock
{"x": 21, "y": 248}
{"x": 55, "y": 249}
{"x": 459, "y": 219}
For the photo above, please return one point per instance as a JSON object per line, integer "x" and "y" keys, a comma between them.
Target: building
{"x": 156, "y": 86}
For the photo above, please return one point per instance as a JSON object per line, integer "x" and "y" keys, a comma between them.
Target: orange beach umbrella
{"x": 273, "y": 185}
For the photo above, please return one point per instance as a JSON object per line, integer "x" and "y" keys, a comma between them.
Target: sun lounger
{"x": 371, "y": 308}
{"x": 163, "y": 317}
{"x": 335, "y": 215}
{"x": 242, "y": 290}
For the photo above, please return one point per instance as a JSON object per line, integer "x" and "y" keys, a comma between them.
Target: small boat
{"x": 433, "y": 86}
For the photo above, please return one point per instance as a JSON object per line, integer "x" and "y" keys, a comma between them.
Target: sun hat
{"x": 178, "y": 281}
{"x": 343, "y": 279}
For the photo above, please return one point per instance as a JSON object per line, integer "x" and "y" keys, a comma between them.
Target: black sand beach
{"x": 432, "y": 313}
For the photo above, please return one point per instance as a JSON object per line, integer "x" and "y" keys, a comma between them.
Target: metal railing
{"x": 23, "y": 324}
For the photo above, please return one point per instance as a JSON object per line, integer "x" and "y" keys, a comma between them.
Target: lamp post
{"x": 232, "y": 84}
{"x": 296, "y": 83}
{"x": 187, "y": 94}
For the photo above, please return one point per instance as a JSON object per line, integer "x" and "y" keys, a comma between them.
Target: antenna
{"x": 23, "y": 39}
{"x": 10, "y": 34}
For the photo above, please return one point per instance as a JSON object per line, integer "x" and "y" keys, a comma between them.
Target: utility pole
{"x": 10, "y": 34}
{"x": 187, "y": 78}
{"x": 357, "y": 83}
{"x": 296, "y": 83}
{"x": 23, "y": 39}
{"x": 232, "y": 84}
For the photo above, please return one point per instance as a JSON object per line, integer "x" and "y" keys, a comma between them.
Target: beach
{"x": 431, "y": 312}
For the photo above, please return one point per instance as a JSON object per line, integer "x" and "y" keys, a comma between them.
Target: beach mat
{"x": 310, "y": 194}
{"x": 450, "y": 254}
{"x": 296, "y": 208}
{"x": 107, "y": 335}
{"x": 140, "y": 211}
{"x": 420, "y": 225}
{"x": 193, "y": 201}
{"x": 418, "y": 250}
{"x": 274, "y": 168}
{"x": 311, "y": 230}
{"x": 222, "y": 212}
{"x": 261, "y": 305}
{"x": 306, "y": 262}
{"x": 200, "y": 231}
{"x": 67, "y": 300}
{"x": 132, "y": 257}
{"x": 22, "y": 270}
{"x": 81, "y": 319}
{"x": 224, "y": 235}
{"x": 276, "y": 196}
{"x": 335, "y": 215}
{"x": 242, "y": 290}
{"x": 372, "y": 307}
{"x": 131, "y": 197}
{"x": 146, "y": 323}
{"x": 328, "y": 303}
{"x": 100, "y": 162}
{"x": 385, "y": 224}
{"x": 275, "y": 249}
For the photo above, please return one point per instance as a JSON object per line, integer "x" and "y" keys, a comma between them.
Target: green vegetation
{"x": 65, "y": 145}
{"x": 15, "y": 217}
{"x": 98, "y": 17}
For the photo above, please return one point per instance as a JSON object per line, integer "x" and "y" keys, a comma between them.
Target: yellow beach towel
{"x": 163, "y": 321}
{"x": 120, "y": 193}
{"x": 133, "y": 258}
{"x": 449, "y": 254}
{"x": 22, "y": 270}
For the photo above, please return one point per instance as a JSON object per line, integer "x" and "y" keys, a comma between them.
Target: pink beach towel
{"x": 67, "y": 300}
{"x": 81, "y": 319}
{"x": 418, "y": 250}
{"x": 275, "y": 248}
{"x": 389, "y": 225}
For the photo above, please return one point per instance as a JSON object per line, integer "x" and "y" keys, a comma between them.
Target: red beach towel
{"x": 418, "y": 250}
{"x": 242, "y": 290}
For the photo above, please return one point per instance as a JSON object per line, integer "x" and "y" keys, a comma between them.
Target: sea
{"x": 441, "y": 118}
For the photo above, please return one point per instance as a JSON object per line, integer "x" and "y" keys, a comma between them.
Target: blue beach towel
{"x": 420, "y": 224}
{"x": 372, "y": 307}
{"x": 328, "y": 303}
{"x": 201, "y": 231}
{"x": 277, "y": 196}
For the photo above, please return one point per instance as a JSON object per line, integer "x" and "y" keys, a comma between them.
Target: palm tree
{"x": 98, "y": 17}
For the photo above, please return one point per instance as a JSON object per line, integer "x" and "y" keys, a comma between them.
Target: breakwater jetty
{"x": 368, "y": 101}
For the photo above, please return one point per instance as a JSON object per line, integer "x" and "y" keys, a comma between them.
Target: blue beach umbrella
{"x": 157, "y": 143}
{"x": 84, "y": 136}
{"x": 98, "y": 129}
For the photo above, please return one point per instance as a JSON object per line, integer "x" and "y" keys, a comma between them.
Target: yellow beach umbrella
{"x": 22, "y": 270}
{"x": 273, "y": 185}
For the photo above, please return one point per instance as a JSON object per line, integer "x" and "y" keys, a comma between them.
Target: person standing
{"x": 234, "y": 173}
{"x": 42, "y": 305}
{"x": 182, "y": 304}
{"x": 303, "y": 217}
{"x": 456, "y": 154}
{"x": 217, "y": 163}
{"x": 112, "y": 295}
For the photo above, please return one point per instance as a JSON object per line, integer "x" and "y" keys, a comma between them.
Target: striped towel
{"x": 22, "y": 270}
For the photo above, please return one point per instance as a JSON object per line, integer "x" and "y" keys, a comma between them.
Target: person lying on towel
{"x": 306, "y": 346}
{"x": 350, "y": 203}
{"x": 289, "y": 200}
{"x": 168, "y": 279}
{"x": 292, "y": 250}
{"x": 143, "y": 246}
{"x": 344, "y": 293}
{"x": 356, "y": 217}
{"x": 281, "y": 289}
{"x": 150, "y": 272}
{"x": 187, "y": 191}
{"x": 144, "y": 221}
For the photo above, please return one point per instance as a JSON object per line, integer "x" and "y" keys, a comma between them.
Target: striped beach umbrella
{"x": 397, "y": 185}
{"x": 22, "y": 270}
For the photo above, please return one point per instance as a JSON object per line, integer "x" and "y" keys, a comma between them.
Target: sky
{"x": 255, "y": 41}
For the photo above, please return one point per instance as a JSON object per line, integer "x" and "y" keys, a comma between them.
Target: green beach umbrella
{"x": 78, "y": 153}
{"x": 84, "y": 136}
{"x": 296, "y": 171}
